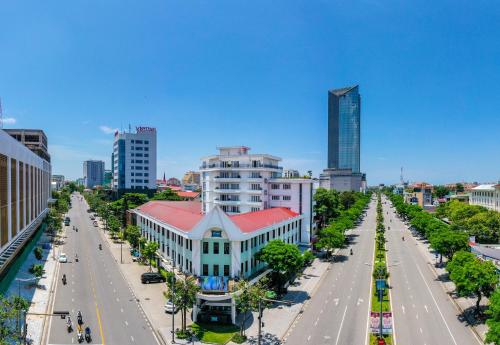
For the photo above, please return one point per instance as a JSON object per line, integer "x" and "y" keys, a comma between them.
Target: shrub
{"x": 308, "y": 257}
{"x": 238, "y": 338}
{"x": 38, "y": 253}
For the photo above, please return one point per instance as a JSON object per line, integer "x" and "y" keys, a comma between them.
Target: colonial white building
{"x": 24, "y": 193}
{"x": 134, "y": 159}
{"x": 486, "y": 195}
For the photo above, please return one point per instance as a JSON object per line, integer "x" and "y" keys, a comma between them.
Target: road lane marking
{"x": 126, "y": 323}
{"x": 426, "y": 309}
{"x": 308, "y": 338}
{"x": 403, "y": 307}
{"x": 336, "y": 301}
{"x": 341, "y": 323}
{"x": 437, "y": 306}
{"x": 421, "y": 330}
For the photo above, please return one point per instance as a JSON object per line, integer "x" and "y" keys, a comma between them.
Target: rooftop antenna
{"x": 402, "y": 180}
{"x": 129, "y": 128}
{"x": 1, "y": 114}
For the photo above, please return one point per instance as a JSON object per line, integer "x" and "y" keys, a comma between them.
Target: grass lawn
{"x": 214, "y": 333}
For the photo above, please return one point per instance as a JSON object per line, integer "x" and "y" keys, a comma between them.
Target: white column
{"x": 18, "y": 212}
{"x": 196, "y": 258}
{"x": 9, "y": 201}
{"x": 235, "y": 258}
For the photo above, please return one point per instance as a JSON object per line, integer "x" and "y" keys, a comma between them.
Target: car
{"x": 169, "y": 307}
{"x": 66, "y": 221}
{"x": 152, "y": 277}
{"x": 92, "y": 217}
{"x": 63, "y": 257}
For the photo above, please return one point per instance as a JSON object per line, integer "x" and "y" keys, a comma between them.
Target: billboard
{"x": 386, "y": 322}
{"x": 213, "y": 283}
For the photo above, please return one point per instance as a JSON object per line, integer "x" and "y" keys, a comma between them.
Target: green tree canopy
{"x": 493, "y": 322}
{"x": 167, "y": 194}
{"x": 132, "y": 235}
{"x": 149, "y": 251}
{"x": 183, "y": 296}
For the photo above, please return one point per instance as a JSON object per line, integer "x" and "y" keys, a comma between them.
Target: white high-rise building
{"x": 240, "y": 182}
{"x": 93, "y": 173}
{"x": 134, "y": 159}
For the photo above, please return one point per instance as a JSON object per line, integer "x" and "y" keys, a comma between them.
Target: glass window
{"x": 216, "y": 247}
{"x": 226, "y": 270}
{"x": 205, "y": 269}
{"x": 226, "y": 248}
{"x": 205, "y": 247}
{"x": 216, "y": 270}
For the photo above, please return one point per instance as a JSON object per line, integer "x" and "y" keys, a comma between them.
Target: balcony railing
{"x": 244, "y": 166}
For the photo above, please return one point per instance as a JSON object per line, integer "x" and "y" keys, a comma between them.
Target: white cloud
{"x": 107, "y": 130}
{"x": 8, "y": 120}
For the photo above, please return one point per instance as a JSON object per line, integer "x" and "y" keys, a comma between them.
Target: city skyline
{"x": 80, "y": 85}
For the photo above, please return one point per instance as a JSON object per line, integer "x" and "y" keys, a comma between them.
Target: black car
{"x": 152, "y": 277}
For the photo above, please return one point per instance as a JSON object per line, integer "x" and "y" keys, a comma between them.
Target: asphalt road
{"x": 423, "y": 313}
{"x": 337, "y": 314}
{"x": 96, "y": 287}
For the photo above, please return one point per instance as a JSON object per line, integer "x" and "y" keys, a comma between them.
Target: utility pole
{"x": 259, "y": 337}
{"x": 173, "y": 301}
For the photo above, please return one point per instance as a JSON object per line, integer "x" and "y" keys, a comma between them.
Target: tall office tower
{"x": 93, "y": 173}
{"x": 134, "y": 160}
{"x": 344, "y": 122}
{"x": 344, "y": 107}
{"x": 24, "y": 194}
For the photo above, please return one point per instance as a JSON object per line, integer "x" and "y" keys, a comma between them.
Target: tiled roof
{"x": 251, "y": 221}
{"x": 183, "y": 215}
{"x": 188, "y": 194}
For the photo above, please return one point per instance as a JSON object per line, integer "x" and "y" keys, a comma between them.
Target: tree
{"x": 326, "y": 207}
{"x": 113, "y": 225}
{"x": 441, "y": 191}
{"x": 347, "y": 199}
{"x": 184, "y": 296}
{"x": 330, "y": 238}
{"x": 493, "y": 322}
{"x": 460, "y": 188}
{"x": 447, "y": 242}
{"x": 472, "y": 277}
{"x": 10, "y": 309}
{"x": 38, "y": 271}
{"x": 132, "y": 235}
{"x": 149, "y": 251}
{"x": 38, "y": 251}
{"x": 247, "y": 299}
{"x": 283, "y": 258}
{"x": 167, "y": 194}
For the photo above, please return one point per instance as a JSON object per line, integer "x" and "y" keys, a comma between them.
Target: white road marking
{"x": 308, "y": 338}
{"x": 403, "y": 307}
{"x": 416, "y": 316}
{"x": 126, "y": 323}
{"x": 336, "y": 301}
{"x": 421, "y": 330}
{"x": 321, "y": 312}
{"x": 132, "y": 338}
{"x": 360, "y": 300}
{"x": 437, "y": 306}
{"x": 341, "y": 323}
{"x": 121, "y": 309}
{"x": 117, "y": 299}
{"x": 426, "y": 309}
{"x": 316, "y": 322}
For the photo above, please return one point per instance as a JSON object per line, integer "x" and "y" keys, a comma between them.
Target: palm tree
{"x": 149, "y": 251}
{"x": 184, "y": 297}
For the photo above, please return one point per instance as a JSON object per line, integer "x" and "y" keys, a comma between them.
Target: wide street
{"x": 96, "y": 287}
{"x": 338, "y": 312}
{"x": 423, "y": 313}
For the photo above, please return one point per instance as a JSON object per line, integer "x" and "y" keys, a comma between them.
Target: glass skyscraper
{"x": 344, "y": 107}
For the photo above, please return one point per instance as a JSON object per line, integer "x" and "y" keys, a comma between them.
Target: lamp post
{"x": 18, "y": 323}
{"x": 173, "y": 300}
{"x": 259, "y": 318}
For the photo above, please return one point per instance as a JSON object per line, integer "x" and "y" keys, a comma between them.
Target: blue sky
{"x": 256, "y": 73}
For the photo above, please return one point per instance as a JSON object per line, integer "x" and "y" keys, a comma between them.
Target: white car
{"x": 63, "y": 257}
{"x": 169, "y": 307}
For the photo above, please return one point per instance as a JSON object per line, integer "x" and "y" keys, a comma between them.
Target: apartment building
{"x": 93, "y": 173}
{"x": 486, "y": 195}
{"x": 25, "y": 184}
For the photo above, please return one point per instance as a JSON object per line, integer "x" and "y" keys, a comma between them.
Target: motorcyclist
{"x": 87, "y": 333}
{"x": 80, "y": 318}
{"x": 403, "y": 238}
{"x": 100, "y": 246}
{"x": 76, "y": 257}
{"x": 351, "y": 251}
{"x": 64, "y": 279}
{"x": 69, "y": 324}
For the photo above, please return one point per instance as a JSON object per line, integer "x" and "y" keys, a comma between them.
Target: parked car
{"x": 63, "y": 257}
{"x": 169, "y": 307}
{"x": 66, "y": 221}
{"x": 152, "y": 277}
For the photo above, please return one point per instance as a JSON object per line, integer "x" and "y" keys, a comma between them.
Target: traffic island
{"x": 380, "y": 315}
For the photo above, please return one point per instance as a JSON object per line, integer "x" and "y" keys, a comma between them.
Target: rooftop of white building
{"x": 485, "y": 187}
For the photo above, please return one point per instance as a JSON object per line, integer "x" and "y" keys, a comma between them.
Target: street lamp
{"x": 259, "y": 318}
{"x": 173, "y": 299}
{"x": 18, "y": 326}
{"x": 380, "y": 285}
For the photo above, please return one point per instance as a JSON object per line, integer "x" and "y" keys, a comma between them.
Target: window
{"x": 246, "y": 245}
{"x": 216, "y": 270}
{"x": 287, "y": 198}
{"x": 246, "y": 266}
{"x": 146, "y": 168}
{"x": 241, "y": 270}
{"x": 146, "y": 141}
{"x": 255, "y": 186}
{"x": 138, "y": 141}
{"x": 145, "y": 155}
{"x": 276, "y": 197}
{"x": 205, "y": 247}
{"x": 146, "y": 149}
{"x": 286, "y": 186}
{"x": 242, "y": 247}
{"x": 216, "y": 233}
{"x": 267, "y": 236}
{"x": 255, "y": 209}
{"x": 226, "y": 248}
{"x": 275, "y": 186}
{"x": 205, "y": 269}
{"x": 146, "y": 181}
{"x": 255, "y": 198}
{"x": 226, "y": 270}
{"x": 216, "y": 247}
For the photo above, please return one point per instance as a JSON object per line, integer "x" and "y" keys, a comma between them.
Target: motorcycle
{"x": 100, "y": 246}
{"x": 69, "y": 325}
{"x": 64, "y": 279}
{"x": 351, "y": 251}
{"x": 76, "y": 258}
{"x": 403, "y": 238}
{"x": 80, "y": 336}
{"x": 80, "y": 318}
{"x": 88, "y": 338}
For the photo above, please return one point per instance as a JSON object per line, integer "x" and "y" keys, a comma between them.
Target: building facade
{"x": 344, "y": 107}
{"x": 343, "y": 172}
{"x": 24, "y": 191}
{"x": 93, "y": 173}
{"x": 291, "y": 173}
{"x": 191, "y": 177}
{"x": 486, "y": 195}
{"x": 57, "y": 182}
{"x": 34, "y": 139}
{"x": 134, "y": 159}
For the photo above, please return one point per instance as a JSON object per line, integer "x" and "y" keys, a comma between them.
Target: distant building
{"x": 57, "y": 182}
{"x": 134, "y": 160}
{"x": 80, "y": 181}
{"x": 93, "y": 173}
{"x": 421, "y": 194}
{"x": 191, "y": 177}
{"x": 34, "y": 139}
{"x": 486, "y": 195}
{"x": 344, "y": 144}
{"x": 193, "y": 187}
{"x": 24, "y": 190}
{"x": 291, "y": 173}
{"x": 173, "y": 182}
